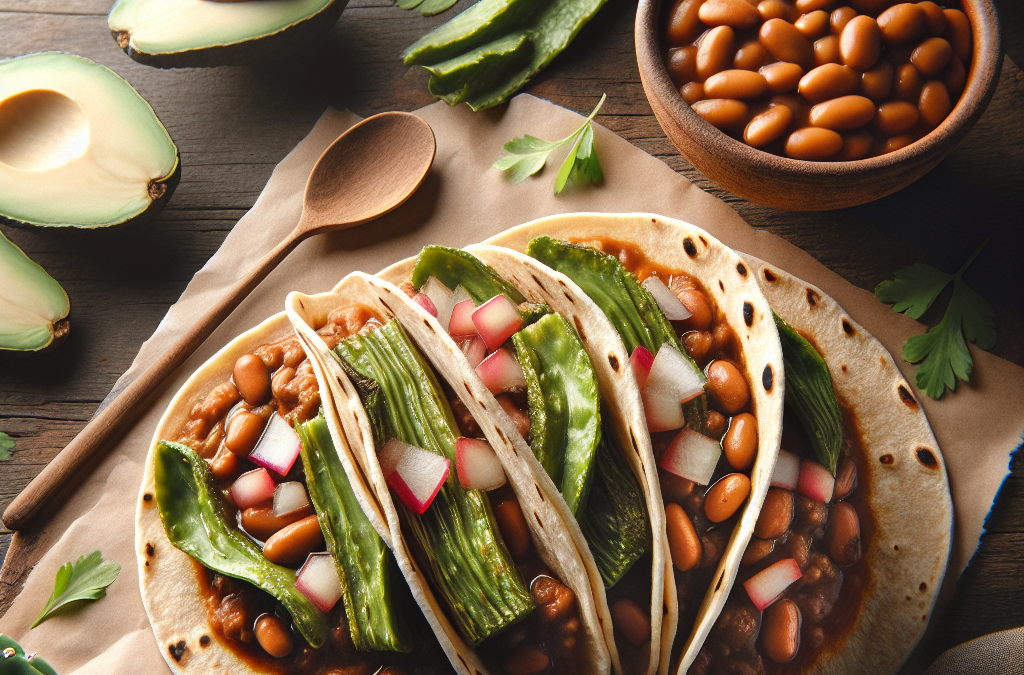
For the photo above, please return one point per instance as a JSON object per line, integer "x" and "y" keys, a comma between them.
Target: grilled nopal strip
{"x": 565, "y": 410}
{"x": 629, "y": 306}
{"x": 194, "y": 518}
{"x": 468, "y": 561}
{"x": 809, "y": 392}
{"x": 372, "y": 587}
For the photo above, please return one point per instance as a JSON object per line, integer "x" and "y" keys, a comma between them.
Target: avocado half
{"x": 78, "y": 145}
{"x": 187, "y": 33}
{"x": 33, "y": 306}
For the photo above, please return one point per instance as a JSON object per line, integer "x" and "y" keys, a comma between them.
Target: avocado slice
{"x": 78, "y": 145}
{"x": 187, "y": 33}
{"x": 33, "y": 306}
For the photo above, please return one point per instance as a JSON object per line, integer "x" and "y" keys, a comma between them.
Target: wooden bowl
{"x": 801, "y": 185}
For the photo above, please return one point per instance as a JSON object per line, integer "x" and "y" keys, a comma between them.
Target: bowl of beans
{"x": 817, "y": 104}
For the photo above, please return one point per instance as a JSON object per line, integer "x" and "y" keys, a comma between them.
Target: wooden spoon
{"x": 370, "y": 170}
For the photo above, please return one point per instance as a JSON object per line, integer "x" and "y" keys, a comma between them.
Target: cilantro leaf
{"x": 941, "y": 352}
{"x": 83, "y": 581}
{"x": 914, "y": 289}
{"x": 528, "y": 154}
{"x": 6, "y": 447}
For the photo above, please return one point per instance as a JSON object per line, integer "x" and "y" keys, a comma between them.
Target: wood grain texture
{"x": 214, "y": 115}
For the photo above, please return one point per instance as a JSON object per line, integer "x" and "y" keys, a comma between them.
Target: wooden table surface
{"x": 233, "y": 125}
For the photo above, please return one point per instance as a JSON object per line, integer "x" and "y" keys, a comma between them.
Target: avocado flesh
{"x": 78, "y": 145}
{"x": 33, "y": 306}
{"x": 171, "y": 33}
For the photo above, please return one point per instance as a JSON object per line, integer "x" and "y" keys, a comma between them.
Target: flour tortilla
{"x": 904, "y": 472}
{"x": 345, "y": 413}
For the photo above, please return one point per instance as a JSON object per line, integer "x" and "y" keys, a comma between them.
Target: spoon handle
{"x": 122, "y": 412}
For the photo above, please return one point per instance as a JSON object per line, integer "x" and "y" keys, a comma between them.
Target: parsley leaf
{"x": 942, "y": 351}
{"x": 83, "y": 581}
{"x": 528, "y": 154}
{"x": 6, "y": 447}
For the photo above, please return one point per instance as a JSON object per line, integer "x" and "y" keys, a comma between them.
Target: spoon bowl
{"x": 370, "y": 170}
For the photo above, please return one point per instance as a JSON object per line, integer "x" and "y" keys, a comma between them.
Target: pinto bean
{"x": 555, "y": 600}
{"x": 275, "y": 638}
{"x": 512, "y": 526}
{"x": 225, "y": 466}
{"x": 740, "y": 442}
{"x": 782, "y": 77}
{"x": 692, "y": 92}
{"x": 845, "y": 113}
{"x": 751, "y": 56}
{"x": 697, "y": 344}
{"x": 715, "y": 423}
{"x": 931, "y": 56}
{"x": 518, "y": 417}
{"x": 840, "y": 17}
{"x": 674, "y": 488}
{"x": 684, "y": 23}
{"x": 252, "y": 379}
{"x": 260, "y": 521}
{"x": 843, "y": 534}
{"x": 682, "y": 65}
{"x": 902, "y": 23}
{"x": 955, "y": 78}
{"x": 683, "y": 542}
{"x": 813, "y": 24}
{"x": 828, "y": 81}
{"x": 727, "y": 386}
{"x": 631, "y": 621}
{"x": 766, "y": 127}
{"x": 846, "y": 479}
{"x": 780, "y": 632}
{"x": 726, "y": 496}
{"x": 724, "y": 113}
{"x": 712, "y": 546}
{"x": 715, "y": 52}
{"x": 757, "y": 550}
{"x": 908, "y": 83}
{"x": 736, "y": 13}
{"x": 776, "y": 9}
{"x": 291, "y": 544}
{"x": 856, "y": 145}
{"x": 776, "y": 514}
{"x": 826, "y": 50}
{"x": 525, "y": 660}
{"x": 934, "y": 103}
{"x": 738, "y": 84}
{"x": 860, "y": 43}
{"x": 813, "y": 143}
{"x": 960, "y": 36}
{"x": 786, "y": 43}
{"x": 737, "y": 625}
{"x": 895, "y": 117}
{"x": 700, "y": 311}
{"x": 244, "y": 432}
{"x": 934, "y": 18}
{"x": 877, "y": 82}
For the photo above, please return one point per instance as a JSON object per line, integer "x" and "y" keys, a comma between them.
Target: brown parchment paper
{"x": 462, "y": 201}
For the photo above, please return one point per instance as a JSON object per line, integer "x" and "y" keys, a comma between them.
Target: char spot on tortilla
{"x": 147, "y": 497}
{"x": 923, "y": 587}
{"x": 426, "y": 323}
{"x": 719, "y": 583}
{"x": 812, "y": 297}
{"x": 579, "y": 328}
{"x": 844, "y": 367}
{"x": 466, "y": 665}
{"x": 150, "y": 550}
{"x": 927, "y": 457}
{"x": 703, "y": 240}
{"x": 690, "y": 249}
{"x": 632, "y": 440}
{"x": 570, "y": 298}
{"x": 654, "y": 220}
{"x": 848, "y": 328}
{"x": 539, "y": 493}
{"x": 502, "y": 434}
{"x": 896, "y": 547}
{"x": 907, "y": 397}
{"x": 742, "y": 269}
{"x": 536, "y": 280}
{"x": 177, "y": 650}
{"x": 613, "y": 361}
{"x": 924, "y": 617}
{"x": 768, "y": 276}
{"x": 748, "y": 314}
{"x": 539, "y": 522}
{"x": 768, "y": 378}
{"x": 886, "y": 459}
{"x": 388, "y": 306}
{"x": 204, "y": 640}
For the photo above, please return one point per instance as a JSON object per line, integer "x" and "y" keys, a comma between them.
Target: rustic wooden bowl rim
{"x": 986, "y": 59}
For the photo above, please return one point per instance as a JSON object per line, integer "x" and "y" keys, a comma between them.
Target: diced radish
{"x": 497, "y": 320}
{"x": 787, "y": 471}
{"x": 251, "y": 488}
{"x": 474, "y": 349}
{"x": 278, "y": 448}
{"x": 289, "y": 497}
{"x": 414, "y": 473}
{"x": 461, "y": 324}
{"x": 501, "y": 372}
{"x": 477, "y": 465}
{"x": 641, "y": 360}
{"x": 424, "y": 301}
{"x": 693, "y": 456}
{"x": 670, "y": 304}
{"x": 815, "y": 481}
{"x": 318, "y": 581}
{"x": 768, "y": 584}
{"x": 441, "y": 296}
{"x": 673, "y": 380}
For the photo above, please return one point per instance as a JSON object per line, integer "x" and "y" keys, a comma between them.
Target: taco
{"x": 452, "y": 284}
{"x": 869, "y": 573}
{"x": 259, "y": 544}
{"x": 486, "y": 546}
{"x": 867, "y": 582}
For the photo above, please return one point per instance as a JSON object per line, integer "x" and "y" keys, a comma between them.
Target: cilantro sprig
{"x": 528, "y": 154}
{"x": 83, "y": 581}
{"x": 6, "y": 447}
{"x": 942, "y": 351}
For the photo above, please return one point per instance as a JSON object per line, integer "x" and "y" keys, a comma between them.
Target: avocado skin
{"x": 283, "y": 43}
{"x": 142, "y": 218}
